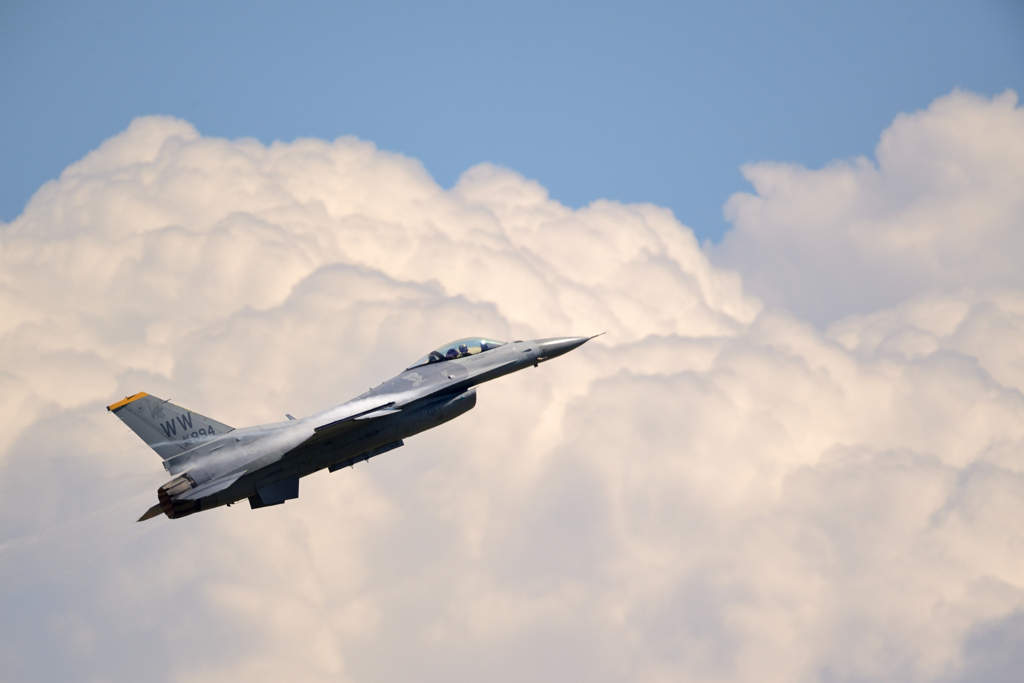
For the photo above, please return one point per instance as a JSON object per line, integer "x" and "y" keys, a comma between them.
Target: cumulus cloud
{"x": 823, "y": 488}
{"x": 939, "y": 209}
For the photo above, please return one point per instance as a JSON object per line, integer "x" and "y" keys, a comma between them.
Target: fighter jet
{"x": 215, "y": 464}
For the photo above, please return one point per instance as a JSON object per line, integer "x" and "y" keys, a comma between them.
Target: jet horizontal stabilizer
{"x": 151, "y": 513}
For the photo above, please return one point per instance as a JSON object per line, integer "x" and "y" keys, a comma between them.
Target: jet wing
{"x": 335, "y": 430}
{"x": 377, "y": 411}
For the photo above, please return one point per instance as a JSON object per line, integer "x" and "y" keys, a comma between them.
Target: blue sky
{"x": 653, "y": 102}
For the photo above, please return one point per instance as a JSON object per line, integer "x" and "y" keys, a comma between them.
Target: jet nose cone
{"x": 556, "y": 346}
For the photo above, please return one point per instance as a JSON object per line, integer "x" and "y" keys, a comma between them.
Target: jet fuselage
{"x": 217, "y": 465}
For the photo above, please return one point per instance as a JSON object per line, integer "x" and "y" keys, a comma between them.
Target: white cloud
{"x": 941, "y": 209}
{"x": 711, "y": 491}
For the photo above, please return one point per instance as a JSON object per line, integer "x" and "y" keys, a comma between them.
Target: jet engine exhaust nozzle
{"x": 168, "y": 493}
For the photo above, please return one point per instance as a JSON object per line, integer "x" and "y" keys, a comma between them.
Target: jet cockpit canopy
{"x": 457, "y": 349}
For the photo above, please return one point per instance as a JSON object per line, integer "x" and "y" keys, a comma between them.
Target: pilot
{"x": 452, "y": 353}
{"x": 463, "y": 350}
{"x": 483, "y": 346}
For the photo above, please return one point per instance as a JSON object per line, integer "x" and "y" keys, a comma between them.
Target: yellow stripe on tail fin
{"x": 127, "y": 399}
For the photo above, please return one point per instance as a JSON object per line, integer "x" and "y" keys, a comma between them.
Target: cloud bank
{"x": 809, "y": 467}
{"x": 939, "y": 209}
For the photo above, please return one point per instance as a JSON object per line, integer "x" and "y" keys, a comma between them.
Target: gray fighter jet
{"x": 218, "y": 465}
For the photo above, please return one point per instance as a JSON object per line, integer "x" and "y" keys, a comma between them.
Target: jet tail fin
{"x": 167, "y": 429}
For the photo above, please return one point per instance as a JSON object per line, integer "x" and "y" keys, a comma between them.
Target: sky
{"x": 797, "y": 454}
{"x": 635, "y": 102}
